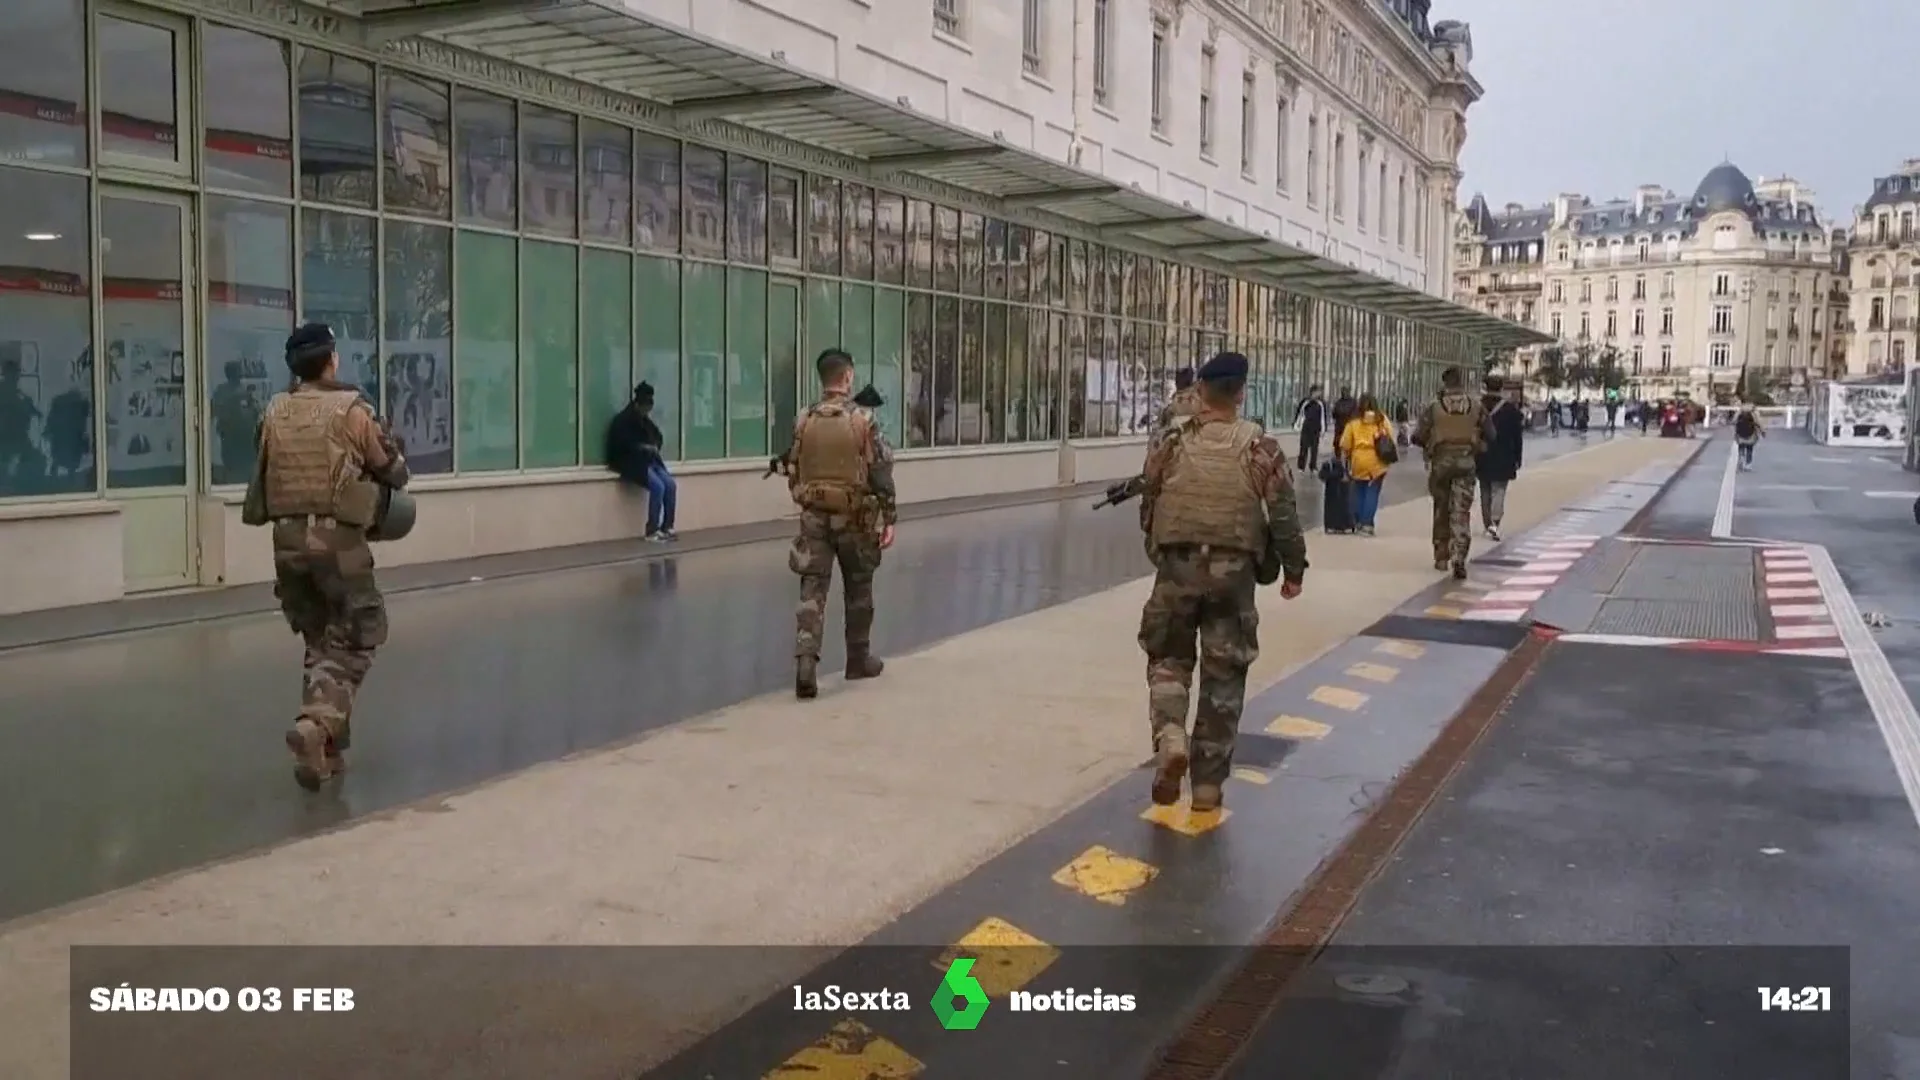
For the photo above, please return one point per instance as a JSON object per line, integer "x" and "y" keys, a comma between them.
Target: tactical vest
{"x": 313, "y": 468}
{"x": 1208, "y": 495}
{"x": 830, "y": 458}
{"x": 1185, "y": 403}
{"x": 1454, "y": 425}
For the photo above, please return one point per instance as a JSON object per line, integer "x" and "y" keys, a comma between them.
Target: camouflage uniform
{"x": 840, "y": 473}
{"x": 322, "y": 456}
{"x": 1184, "y": 403}
{"x": 1452, "y": 434}
{"x": 1218, "y": 509}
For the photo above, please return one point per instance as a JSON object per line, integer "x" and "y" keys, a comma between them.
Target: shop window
{"x": 417, "y": 147}
{"x": 919, "y": 396}
{"x": 485, "y": 162}
{"x": 549, "y": 184}
{"x": 606, "y": 346}
{"x": 1019, "y": 259}
{"x": 1044, "y": 345}
{"x": 857, "y": 219}
{"x": 417, "y": 303}
{"x": 250, "y": 308}
{"x": 746, "y": 363}
{"x": 141, "y": 91}
{"x": 489, "y": 354}
{"x": 43, "y": 59}
{"x": 972, "y": 254}
{"x": 1076, "y": 356}
{"x": 920, "y": 244}
{"x": 823, "y": 225}
{"x": 656, "y": 310}
{"x": 657, "y": 195}
{"x": 856, "y": 329}
{"x": 550, "y": 353}
{"x": 889, "y": 359}
{"x": 783, "y": 217}
{"x": 704, "y": 327}
{"x": 889, "y": 239}
{"x": 993, "y": 384}
{"x": 1019, "y": 374}
{"x": 969, "y": 421}
{"x": 746, "y": 210}
{"x": 822, "y": 322}
{"x": 338, "y": 146}
{"x": 606, "y": 182}
{"x": 946, "y": 249}
{"x": 704, "y": 228}
{"x": 948, "y": 343}
{"x": 339, "y": 271}
{"x": 246, "y": 82}
{"x": 142, "y": 257}
{"x": 47, "y": 433}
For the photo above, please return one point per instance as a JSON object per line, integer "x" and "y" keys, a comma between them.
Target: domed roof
{"x": 1725, "y": 187}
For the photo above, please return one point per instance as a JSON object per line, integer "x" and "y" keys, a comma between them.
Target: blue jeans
{"x": 662, "y": 493}
{"x": 1366, "y": 500}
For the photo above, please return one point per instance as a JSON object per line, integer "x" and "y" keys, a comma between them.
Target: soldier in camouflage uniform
{"x": 1219, "y": 515}
{"x": 322, "y": 459}
{"x": 1452, "y": 433}
{"x": 1184, "y": 402}
{"x": 840, "y": 472}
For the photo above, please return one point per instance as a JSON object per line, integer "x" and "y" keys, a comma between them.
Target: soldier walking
{"x": 1453, "y": 433}
{"x": 317, "y": 479}
{"x": 1219, "y": 515}
{"x": 840, "y": 473}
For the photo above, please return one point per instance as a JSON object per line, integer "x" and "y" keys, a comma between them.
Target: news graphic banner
{"x": 898, "y": 1012}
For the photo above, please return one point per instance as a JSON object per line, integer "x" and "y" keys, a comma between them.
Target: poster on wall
{"x": 46, "y": 385}
{"x": 246, "y": 347}
{"x": 419, "y": 406}
{"x": 146, "y": 413}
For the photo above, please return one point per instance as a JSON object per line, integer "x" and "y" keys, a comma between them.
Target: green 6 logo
{"x": 957, "y": 985}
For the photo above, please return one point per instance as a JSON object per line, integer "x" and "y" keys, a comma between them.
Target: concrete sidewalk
{"x": 769, "y": 822}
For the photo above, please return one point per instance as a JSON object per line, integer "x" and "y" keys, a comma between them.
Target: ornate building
{"x": 1884, "y": 271}
{"x": 1499, "y": 267}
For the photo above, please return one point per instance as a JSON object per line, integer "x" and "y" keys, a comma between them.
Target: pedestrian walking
{"x": 1499, "y": 464}
{"x": 1367, "y": 449}
{"x": 1453, "y": 431}
{"x": 1747, "y": 432}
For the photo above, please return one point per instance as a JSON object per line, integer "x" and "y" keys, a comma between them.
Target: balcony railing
{"x": 1836, "y": 296}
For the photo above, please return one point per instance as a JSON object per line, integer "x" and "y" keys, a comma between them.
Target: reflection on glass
{"x": 920, "y": 244}
{"x": 138, "y": 113}
{"x": 994, "y": 387}
{"x": 890, "y": 239}
{"x": 249, "y": 314}
{"x": 143, "y": 313}
{"x": 338, "y": 275}
{"x": 418, "y": 147}
{"x": 746, "y": 209}
{"x": 417, "y": 333}
{"x": 606, "y": 177}
{"x": 487, "y": 372}
{"x": 858, "y": 219}
{"x": 43, "y": 67}
{"x": 249, "y": 114}
{"x": 996, "y": 248}
{"x": 946, "y": 249}
{"x": 337, "y": 141}
{"x": 46, "y": 336}
{"x": 1044, "y": 347}
{"x": 783, "y": 216}
{"x": 920, "y": 396}
{"x": 968, "y": 423}
{"x": 656, "y": 182}
{"x": 483, "y": 148}
{"x": 971, "y": 253}
{"x": 550, "y": 356}
{"x": 1019, "y": 257}
{"x": 549, "y": 188}
{"x": 1018, "y": 390}
{"x": 705, "y": 231}
{"x": 946, "y": 370}
{"x": 823, "y": 225}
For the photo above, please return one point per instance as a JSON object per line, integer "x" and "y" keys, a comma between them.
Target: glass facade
{"x": 500, "y": 273}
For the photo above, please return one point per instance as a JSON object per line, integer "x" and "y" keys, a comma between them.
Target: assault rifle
{"x": 1122, "y": 491}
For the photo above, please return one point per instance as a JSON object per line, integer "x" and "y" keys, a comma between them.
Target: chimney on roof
{"x": 1564, "y": 204}
{"x": 1514, "y": 208}
{"x": 1644, "y": 196}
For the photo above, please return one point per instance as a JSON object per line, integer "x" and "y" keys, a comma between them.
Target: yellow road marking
{"x": 1006, "y": 957}
{"x": 1405, "y": 650}
{"x": 1464, "y": 597}
{"x": 1442, "y": 611}
{"x": 1380, "y": 673}
{"x": 1105, "y": 875}
{"x": 1298, "y": 727}
{"x": 850, "y": 1051}
{"x": 1251, "y": 776}
{"x": 1184, "y": 820}
{"x": 1339, "y": 697}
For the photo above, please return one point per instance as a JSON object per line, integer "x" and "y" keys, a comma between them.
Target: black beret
{"x": 1227, "y": 365}
{"x": 309, "y": 338}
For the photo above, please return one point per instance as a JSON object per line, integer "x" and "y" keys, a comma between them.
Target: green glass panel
{"x": 890, "y": 358}
{"x": 486, "y": 352}
{"x": 704, "y": 320}
{"x": 994, "y": 385}
{"x": 783, "y": 360}
{"x": 656, "y": 307}
{"x": 856, "y": 330}
{"x": 747, "y": 362}
{"x": 550, "y": 342}
{"x": 1019, "y": 391}
{"x": 606, "y": 346}
{"x": 822, "y": 332}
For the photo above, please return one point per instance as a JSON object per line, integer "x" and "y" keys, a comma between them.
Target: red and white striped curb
{"x": 1801, "y": 622}
{"x": 1548, "y": 558}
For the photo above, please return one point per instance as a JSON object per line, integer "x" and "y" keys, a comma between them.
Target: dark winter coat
{"x": 1500, "y": 462}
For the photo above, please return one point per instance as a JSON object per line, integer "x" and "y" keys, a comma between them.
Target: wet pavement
{"x": 139, "y": 754}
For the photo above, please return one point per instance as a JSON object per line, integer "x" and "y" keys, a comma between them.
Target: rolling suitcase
{"x": 1337, "y": 500}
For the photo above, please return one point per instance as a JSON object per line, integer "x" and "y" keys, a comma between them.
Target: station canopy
{"x": 602, "y": 42}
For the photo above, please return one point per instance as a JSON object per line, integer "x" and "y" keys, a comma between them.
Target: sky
{"x": 1601, "y": 98}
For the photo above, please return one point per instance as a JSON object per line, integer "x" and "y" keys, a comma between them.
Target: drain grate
{"x": 1700, "y": 574}
{"x": 1600, "y": 570}
{"x": 1735, "y": 621}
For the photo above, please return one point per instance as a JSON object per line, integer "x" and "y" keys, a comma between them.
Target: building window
{"x": 1642, "y": 251}
{"x": 1158, "y": 88}
{"x": 1033, "y": 36}
{"x": 1586, "y": 325}
{"x": 1639, "y": 321}
{"x": 1207, "y": 59}
{"x": 1419, "y": 214}
{"x": 1723, "y": 319}
{"x": 1400, "y": 212}
{"x": 1360, "y": 182}
{"x": 1723, "y": 284}
{"x": 1666, "y": 286}
{"x": 1613, "y": 288}
{"x": 1666, "y": 358}
{"x": 1313, "y": 160}
{"x": 1899, "y": 353}
{"x": 1720, "y": 354}
{"x": 1102, "y": 52}
{"x": 1381, "y": 188}
{"x": 1559, "y": 293}
{"x": 1283, "y": 119}
{"x": 1613, "y": 324}
{"x": 1586, "y": 291}
{"x": 1636, "y": 359}
{"x": 1639, "y": 288}
{"x": 1553, "y": 324}
{"x": 1666, "y": 320}
{"x": 946, "y": 16}
{"x": 1247, "y": 131}
{"x": 1337, "y": 175}
{"x": 1877, "y": 314}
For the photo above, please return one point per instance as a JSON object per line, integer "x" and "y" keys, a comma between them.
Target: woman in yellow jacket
{"x": 1360, "y": 447}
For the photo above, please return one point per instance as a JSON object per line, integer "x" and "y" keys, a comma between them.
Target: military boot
{"x": 311, "y": 764}
{"x": 862, "y": 664}
{"x": 1440, "y": 563}
{"x": 1169, "y": 764}
{"x": 1459, "y": 571}
{"x": 1206, "y": 798}
{"x": 806, "y": 677}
